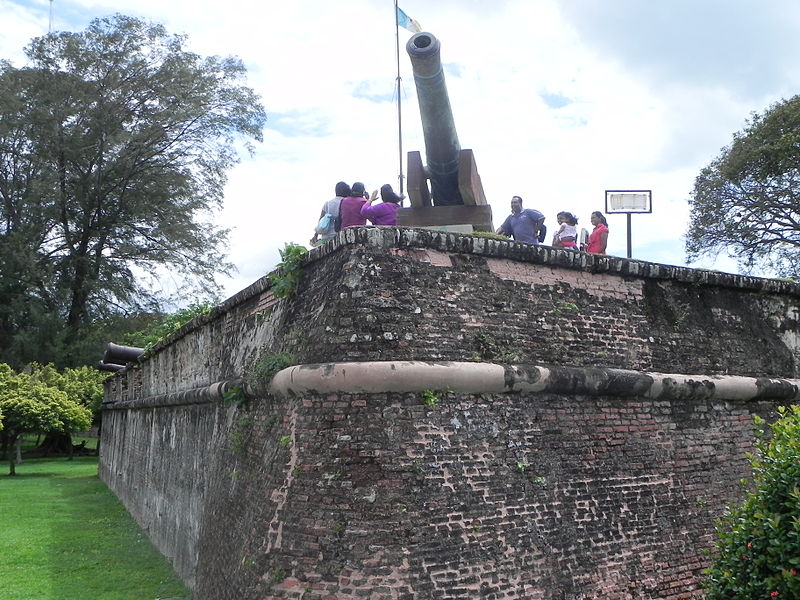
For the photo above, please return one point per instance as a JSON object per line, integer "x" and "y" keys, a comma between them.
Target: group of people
{"x": 527, "y": 225}
{"x": 352, "y": 206}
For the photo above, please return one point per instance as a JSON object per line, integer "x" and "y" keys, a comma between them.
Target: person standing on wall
{"x": 598, "y": 239}
{"x": 524, "y": 225}
{"x": 351, "y": 207}
{"x": 384, "y": 213}
{"x": 330, "y": 217}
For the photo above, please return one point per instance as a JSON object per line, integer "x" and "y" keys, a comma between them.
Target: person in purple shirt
{"x": 350, "y": 210}
{"x": 522, "y": 224}
{"x": 384, "y": 213}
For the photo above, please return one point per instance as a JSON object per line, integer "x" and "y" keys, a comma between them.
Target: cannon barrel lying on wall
{"x": 104, "y": 366}
{"x": 116, "y": 357}
{"x": 441, "y": 139}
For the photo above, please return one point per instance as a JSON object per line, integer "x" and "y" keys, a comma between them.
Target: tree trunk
{"x": 56, "y": 442}
{"x": 12, "y": 439}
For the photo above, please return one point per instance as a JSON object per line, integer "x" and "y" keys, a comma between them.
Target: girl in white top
{"x": 567, "y": 234}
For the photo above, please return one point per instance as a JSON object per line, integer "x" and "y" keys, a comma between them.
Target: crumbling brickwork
{"x": 508, "y": 496}
{"x": 450, "y": 495}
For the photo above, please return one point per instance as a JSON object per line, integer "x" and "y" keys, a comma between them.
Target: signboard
{"x": 629, "y": 201}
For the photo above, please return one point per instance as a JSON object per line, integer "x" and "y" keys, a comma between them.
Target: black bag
{"x": 542, "y": 232}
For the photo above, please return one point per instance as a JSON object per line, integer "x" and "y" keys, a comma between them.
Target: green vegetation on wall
{"x": 287, "y": 275}
{"x": 147, "y": 338}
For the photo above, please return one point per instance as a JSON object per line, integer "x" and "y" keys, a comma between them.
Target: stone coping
{"x": 379, "y": 377}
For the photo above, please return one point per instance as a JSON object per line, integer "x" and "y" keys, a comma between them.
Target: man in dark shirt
{"x": 522, "y": 224}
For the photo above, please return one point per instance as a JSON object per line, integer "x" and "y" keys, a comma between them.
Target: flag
{"x": 406, "y": 22}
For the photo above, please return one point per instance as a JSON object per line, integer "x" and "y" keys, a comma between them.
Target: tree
{"x": 114, "y": 149}
{"x": 82, "y": 385}
{"x": 758, "y": 543}
{"x": 28, "y": 405}
{"x": 747, "y": 201}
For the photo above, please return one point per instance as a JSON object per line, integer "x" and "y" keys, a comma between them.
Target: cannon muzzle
{"x": 455, "y": 199}
{"x": 441, "y": 139}
{"x": 121, "y": 355}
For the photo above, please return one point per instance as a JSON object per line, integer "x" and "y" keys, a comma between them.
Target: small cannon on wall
{"x": 116, "y": 357}
{"x": 455, "y": 196}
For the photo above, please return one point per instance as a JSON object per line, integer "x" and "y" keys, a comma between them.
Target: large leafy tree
{"x": 747, "y": 201}
{"x": 114, "y": 148}
{"x": 82, "y": 385}
{"x": 30, "y": 405}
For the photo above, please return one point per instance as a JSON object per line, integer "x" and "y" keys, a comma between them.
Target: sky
{"x": 559, "y": 100}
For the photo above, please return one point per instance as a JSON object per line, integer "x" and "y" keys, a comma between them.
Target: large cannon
{"x": 455, "y": 196}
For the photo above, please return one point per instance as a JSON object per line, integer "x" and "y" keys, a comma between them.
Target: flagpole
{"x": 399, "y": 112}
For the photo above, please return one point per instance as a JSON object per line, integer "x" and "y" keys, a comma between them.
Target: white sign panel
{"x": 629, "y": 201}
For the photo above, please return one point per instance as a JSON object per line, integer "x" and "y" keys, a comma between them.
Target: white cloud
{"x": 558, "y": 100}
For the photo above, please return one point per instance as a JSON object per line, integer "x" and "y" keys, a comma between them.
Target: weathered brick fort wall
{"x": 470, "y": 418}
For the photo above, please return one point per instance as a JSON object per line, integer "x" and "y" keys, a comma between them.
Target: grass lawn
{"x": 65, "y": 536}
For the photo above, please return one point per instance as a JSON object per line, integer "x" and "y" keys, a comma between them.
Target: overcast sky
{"x": 559, "y": 99}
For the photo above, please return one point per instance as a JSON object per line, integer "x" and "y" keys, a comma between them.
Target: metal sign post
{"x": 629, "y": 202}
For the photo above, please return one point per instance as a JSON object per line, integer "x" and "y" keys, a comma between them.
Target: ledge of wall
{"x": 379, "y": 377}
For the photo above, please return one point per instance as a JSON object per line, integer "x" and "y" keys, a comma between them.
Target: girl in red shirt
{"x": 598, "y": 239}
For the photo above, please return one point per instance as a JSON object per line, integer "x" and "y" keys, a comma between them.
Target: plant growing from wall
{"x": 489, "y": 234}
{"x": 758, "y": 543}
{"x": 240, "y": 434}
{"x": 268, "y": 365}
{"x": 493, "y": 347}
{"x": 430, "y": 398}
{"x": 234, "y": 396}
{"x": 167, "y": 325}
{"x": 277, "y": 575}
{"x": 288, "y": 272}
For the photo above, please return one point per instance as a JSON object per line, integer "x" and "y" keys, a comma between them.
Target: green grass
{"x": 65, "y": 536}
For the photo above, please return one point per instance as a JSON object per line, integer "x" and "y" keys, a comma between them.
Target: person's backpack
{"x": 330, "y": 224}
{"x": 542, "y": 232}
{"x": 326, "y": 226}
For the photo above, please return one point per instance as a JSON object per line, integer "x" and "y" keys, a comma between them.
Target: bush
{"x": 268, "y": 365}
{"x": 168, "y": 324}
{"x": 758, "y": 543}
{"x": 287, "y": 275}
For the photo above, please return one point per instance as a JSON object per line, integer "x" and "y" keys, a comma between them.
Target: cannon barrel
{"x": 111, "y": 367}
{"x": 441, "y": 140}
{"x": 121, "y": 355}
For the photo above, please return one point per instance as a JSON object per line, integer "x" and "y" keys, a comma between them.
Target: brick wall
{"x": 501, "y": 495}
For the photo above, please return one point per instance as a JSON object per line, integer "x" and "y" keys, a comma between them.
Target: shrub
{"x": 758, "y": 543}
{"x": 287, "y": 275}
{"x": 268, "y": 365}
{"x": 168, "y": 324}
